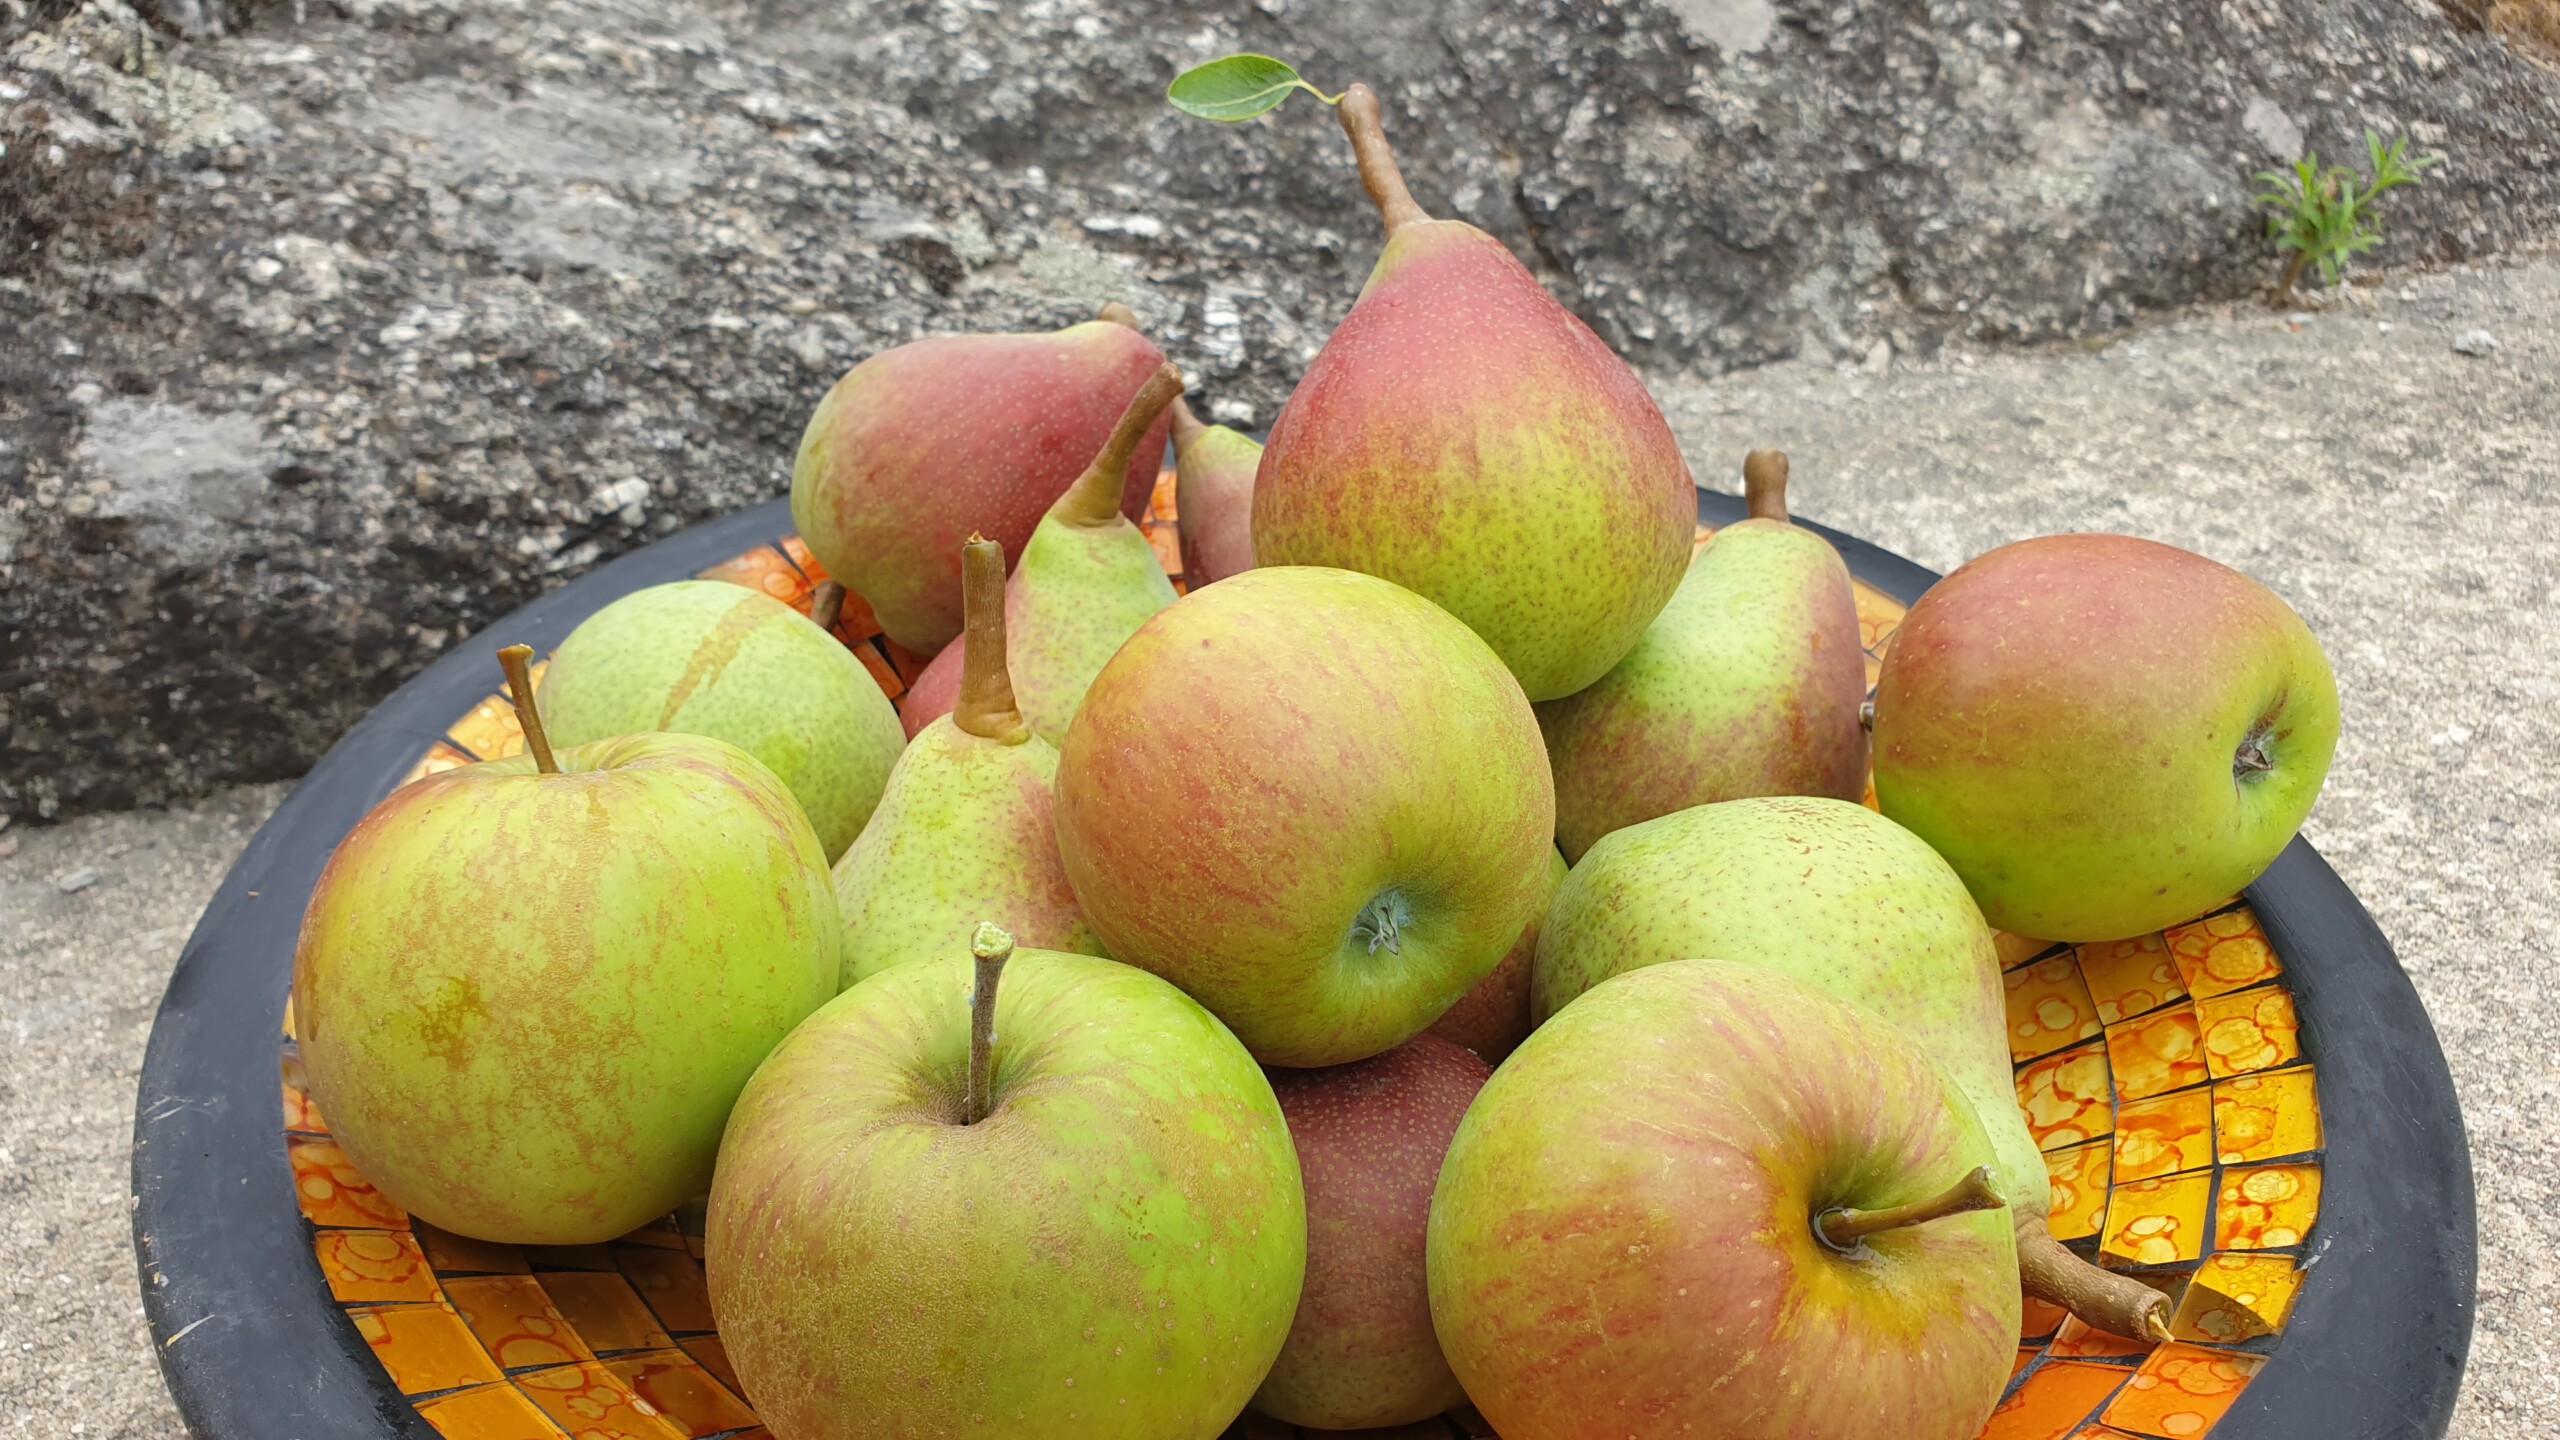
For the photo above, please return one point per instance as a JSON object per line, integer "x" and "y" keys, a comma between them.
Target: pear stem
{"x": 991, "y": 946}
{"x": 1764, "y": 485}
{"x": 986, "y": 708}
{"x": 2104, "y": 1300}
{"x": 517, "y": 661}
{"x": 1186, "y": 426}
{"x": 826, "y": 604}
{"x": 1844, "y": 1229}
{"x": 1118, "y": 314}
{"x": 1095, "y": 497}
{"x": 1359, "y": 114}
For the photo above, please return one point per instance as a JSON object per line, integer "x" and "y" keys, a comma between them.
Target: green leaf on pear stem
{"x": 1238, "y": 87}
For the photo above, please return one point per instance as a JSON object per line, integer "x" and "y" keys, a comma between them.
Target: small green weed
{"x": 2323, "y": 216}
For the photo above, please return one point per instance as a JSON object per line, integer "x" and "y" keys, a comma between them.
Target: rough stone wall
{"x": 330, "y": 332}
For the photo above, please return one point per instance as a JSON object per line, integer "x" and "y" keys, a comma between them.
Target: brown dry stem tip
{"x": 985, "y": 708}
{"x": 1118, "y": 314}
{"x": 517, "y": 661}
{"x": 2104, "y": 1300}
{"x": 1095, "y": 497}
{"x": 1358, "y": 112}
{"x": 826, "y": 604}
{"x": 1186, "y": 426}
{"x": 990, "y": 946}
{"x": 1843, "y": 1229}
{"x": 1764, "y": 485}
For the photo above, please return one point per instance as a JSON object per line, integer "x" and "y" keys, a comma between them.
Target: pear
{"x": 1464, "y": 436}
{"x": 1213, "y": 469}
{"x": 1088, "y": 579}
{"x": 1747, "y": 683}
{"x": 1840, "y": 898}
{"x": 964, "y": 832}
{"x": 920, "y": 446}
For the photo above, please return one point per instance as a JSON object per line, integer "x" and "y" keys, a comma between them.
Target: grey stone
{"x": 78, "y": 880}
{"x": 2475, "y": 342}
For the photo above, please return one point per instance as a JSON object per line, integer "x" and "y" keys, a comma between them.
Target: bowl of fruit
{"x": 1426, "y": 924}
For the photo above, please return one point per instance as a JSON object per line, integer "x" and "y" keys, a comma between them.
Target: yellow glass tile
{"x": 606, "y": 1311}
{"x": 2100, "y": 1432}
{"x": 2055, "y": 1399}
{"x": 331, "y": 1192}
{"x": 299, "y": 1113}
{"x": 496, "y": 1412}
{"x": 439, "y": 758}
{"x": 2249, "y": 1030}
{"x": 592, "y": 1403}
{"x": 2181, "y": 1391}
{"x": 516, "y": 1321}
{"x": 2078, "y": 1340}
{"x": 2079, "y": 1195}
{"x": 2065, "y": 1098}
{"x": 2130, "y": 977}
{"x": 461, "y": 1255}
{"x": 1166, "y": 541}
{"x": 2158, "y": 1222}
{"x": 2158, "y": 1053}
{"x": 769, "y": 570}
{"x": 682, "y": 1392}
{"x": 2265, "y": 1117}
{"x": 374, "y": 1265}
{"x": 1161, "y": 501}
{"x": 2222, "y": 953}
{"x": 424, "y": 1347}
{"x": 2266, "y": 1207}
{"x": 1879, "y": 615}
{"x": 2237, "y": 1297}
{"x": 489, "y": 729}
{"x": 672, "y": 1284}
{"x": 2049, "y": 1008}
{"x": 2164, "y": 1135}
{"x": 798, "y": 549}
{"x": 2017, "y": 950}
{"x": 713, "y": 1353}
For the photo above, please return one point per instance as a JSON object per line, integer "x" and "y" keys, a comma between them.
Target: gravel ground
{"x": 2400, "y": 493}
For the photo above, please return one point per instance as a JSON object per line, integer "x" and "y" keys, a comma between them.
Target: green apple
{"x": 708, "y": 658}
{"x": 2103, "y": 735}
{"x": 1661, "y": 1219}
{"x": 1313, "y": 800}
{"x": 526, "y": 1000}
{"x": 1112, "y": 1249}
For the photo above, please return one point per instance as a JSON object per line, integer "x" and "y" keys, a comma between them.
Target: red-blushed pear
{"x": 2104, "y": 735}
{"x": 1370, "y": 1137}
{"x": 1065, "y": 1207}
{"x": 921, "y": 446}
{"x": 937, "y": 688}
{"x": 527, "y": 991}
{"x": 1706, "y": 1202}
{"x": 1314, "y": 801}
{"x": 965, "y": 831}
{"x": 1494, "y": 1016}
{"x": 1748, "y": 683}
{"x": 1467, "y": 437}
{"x": 1213, "y": 496}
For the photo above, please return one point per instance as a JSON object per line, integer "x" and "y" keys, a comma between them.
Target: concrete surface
{"x": 2402, "y": 495}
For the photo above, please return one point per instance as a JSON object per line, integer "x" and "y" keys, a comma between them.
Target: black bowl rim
{"x": 253, "y": 1346}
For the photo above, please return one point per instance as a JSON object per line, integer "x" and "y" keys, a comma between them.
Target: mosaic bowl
{"x": 2249, "y": 1111}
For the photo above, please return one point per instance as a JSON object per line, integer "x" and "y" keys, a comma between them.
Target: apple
{"x": 1370, "y": 1138}
{"x": 1677, "y": 1211}
{"x": 1313, "y": 800}
{"x": 526, "y": 996}
{"x": 2103, "y": 735}
{"x": 1108, "y": 1242}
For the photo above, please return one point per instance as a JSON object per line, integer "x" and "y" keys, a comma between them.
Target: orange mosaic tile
{"x": 2181, "y": 1391}
{"x": 2049, "y": 1008}
{"x": 606, "y": 1312}
{"x": 2038, "y": 1319}
{"x": 2066, "y": 1098}
{"x": 1879, "y": 615}
{"x": 908, "y": 663}
{"x": 2266, "y": 1117}
{"x": 2017, "y": 950}
{"x": 516, "y": 1320}
{"x": 2160, "y": 1052}
{"x": 2079, "y": 1179}
{"x": 2237, "y": 1297}
{"x": 2157, "y": 1222}
{"x": 1165, "y": 539}
{"x": 2099, "y": 1432}
{"x": 2130, "y": 977}
{"x": 2164, "y": 1135}
{"x": 682, "y": 1393}
{"x": 489, "y": 729}
{"x": 713, "y": 1354}
{"x": 461, "y": 1255}
{"x": 2222, "y": 953}
{"x": 2078, "y": 1341}
{"x": 767, "y": 568}
{"x": 330, "y": 1191}
{"x": 2249, "y": 1030}
{"x": 424, "y": 1347}
{"x": 2057, "y": 1397}
{"x": 672, "y": 1284}
{"x": 883, "y": 673}
{"x": 592, "y": 1403}
{"x": 2266, "y": 1207}
{"x": 658, "y": 1234}
{"x": 496, "y": 1412}
{"x": 1162, "y": 501}
{"x": 439, "y": 758}
{"x": 300, "y": 1115}
{"x": 373, "y": 1265}
{"x": 569, "y": 1257}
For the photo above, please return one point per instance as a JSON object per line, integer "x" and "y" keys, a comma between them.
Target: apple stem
{"x": 1095, "y": 497}
{"x": 1186, "y": 426}
{"x": 1844, "y": 1230}
{"x": 991, "y": 946}
{"x": 517, "y": 661}
{"x": 826, "y": 605}
{"x": 1358, "y": 112}
{"x": 1118, "y": 314}
{"x": 986, "y": 707}
{"x": 1764, "y": 485}
{"x": 2104, "y": 1300}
